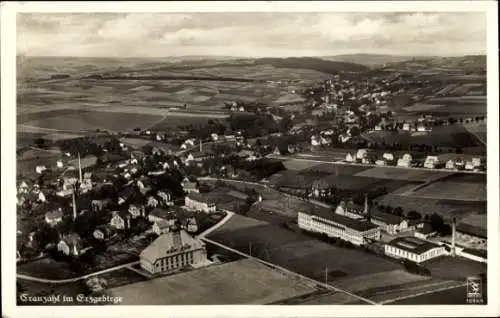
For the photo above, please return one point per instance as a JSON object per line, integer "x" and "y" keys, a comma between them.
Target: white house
{"x": 349, "y": 158}
{"x": 450, "y": 164}
{"x": 362, "y": 153}
{"x": 469, "y": 166}
{"x": 424, "y": 232}
{"x": 198, "y": 202}
{"x": 380, "y": 162}
{"x": 476, "y": 162}
{"x": 406, "y": 127}
{"x": 403, "y": 163}
{"x": 214, "y": 136}
{"x": 120, "y": 220}
{"x": 160, "y": 227}
{"x": 40, "y": 169}
{"x": 315, "y": 141}
{"x": 413, "y": 249}
{"x": 431, "y": 162}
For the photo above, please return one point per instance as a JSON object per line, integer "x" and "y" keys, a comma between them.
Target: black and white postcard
{"x": 288, "y": 154}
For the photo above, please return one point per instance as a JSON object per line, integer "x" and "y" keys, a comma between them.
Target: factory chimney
{"x": 201, "y": 146}
{"x": 79, "y": 168}
{"x": 74, "y": 204}
{"x": 453, "y": 236}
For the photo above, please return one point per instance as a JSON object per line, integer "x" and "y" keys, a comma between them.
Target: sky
{"x": 243, "y": 34}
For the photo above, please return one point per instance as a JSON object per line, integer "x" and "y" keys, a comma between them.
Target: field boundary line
{"x": 385, "y": 302}
{"x": 75, "y": 279}
{"x": 277, "y": 267}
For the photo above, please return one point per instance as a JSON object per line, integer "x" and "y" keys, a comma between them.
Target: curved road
{"x": 74, "y": 279}
{"x": 111, "y": 269}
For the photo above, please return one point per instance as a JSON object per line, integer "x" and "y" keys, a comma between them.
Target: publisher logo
{"x": 474, "y": 290}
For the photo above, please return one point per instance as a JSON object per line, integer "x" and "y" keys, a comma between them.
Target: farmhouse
{"x": 431, "y": 162}
{"x": 413, "y": 249}
{"x": 70, "y": 244}
{"x": 450, "y": 164}
{"x": 198, "y": 202}
{"x": 352, "y": 210}
{"x": 388, "y": 156}
{"x": 349, "y": 158}
{"x": 391, "y": 223}
{"x": 136, "y": 210}
{"x": 160, "y": 227}
{"x": 424, "y": 232}
{"x": 334, "y": 225}
{"x": 189, "y": 187}
{"x": 171, "y": 251}
{"x": 158, "y": 214}
{"x": 120, "y": 220}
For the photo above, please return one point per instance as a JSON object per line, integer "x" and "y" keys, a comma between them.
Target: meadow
{"x": 299, "y": 253}
{"x": 448, "y": 190}
{"x": 444, "y": 207}
{"x": 443, "y": 136}
{"x": 93, "y": 120}
{"x": 403, "y": 174}
{"x": 257, "y": 284}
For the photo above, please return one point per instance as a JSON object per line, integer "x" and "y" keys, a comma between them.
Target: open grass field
{"x": 94, "y": 120}
{"x": 121, "y": 277}
{"x": 297, "y": 165}
{"x": 403, "y": 174}
{"x": 173, "y": 120}
{"x": 300, "y": 253}
{"x": 452, "y": 190}
{"x": 335, "y": 169}
{"x": 46, "y": 268}
{"x": 444, "y": 207}
{"x": 457, "y": 268}
{"x": 443, "y": 136}
{"x": 215, "y": 285}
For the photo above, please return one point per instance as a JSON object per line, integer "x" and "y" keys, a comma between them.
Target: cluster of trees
{"x": 254, "y": 125}
{"x": 259, "y": 169}
{"x": 411, "y": 215}
{"x": 88, "y": 146}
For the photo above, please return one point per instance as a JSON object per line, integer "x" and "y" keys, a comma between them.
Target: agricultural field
{"x": 449, "y": 190}
{"x": 454, "y": 296}
{"x": 478, "y": 129}
{"x": 178, "y": 120}
{"x": 258, "y": 284}
{"x": 444, "y": 207}
{"x": 93, "y": 120}
{"x": 443, "y": 136}
{"x": 403, "y": 174}
{"x": 297, "y": 165}
{"x": 300, "y": 253}
{"x": 336, "y": 169}
{"x": 456, "y": 268}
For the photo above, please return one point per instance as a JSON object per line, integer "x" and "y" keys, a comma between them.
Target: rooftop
{"x": 162, "y": 213}
{"x": 170, "y": 243}
{"x": 358, "y": 225}
{"x": 412, "y": 244}
{"x": 200, "y": 198}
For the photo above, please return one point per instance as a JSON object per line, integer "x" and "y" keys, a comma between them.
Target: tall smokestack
{"x": 201, "y": 146}
{"x": 367, "y": 209}
{"x": 79, "y": 168}
{"x": 453, "y": 235}
{"x": 74, "y": 204}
